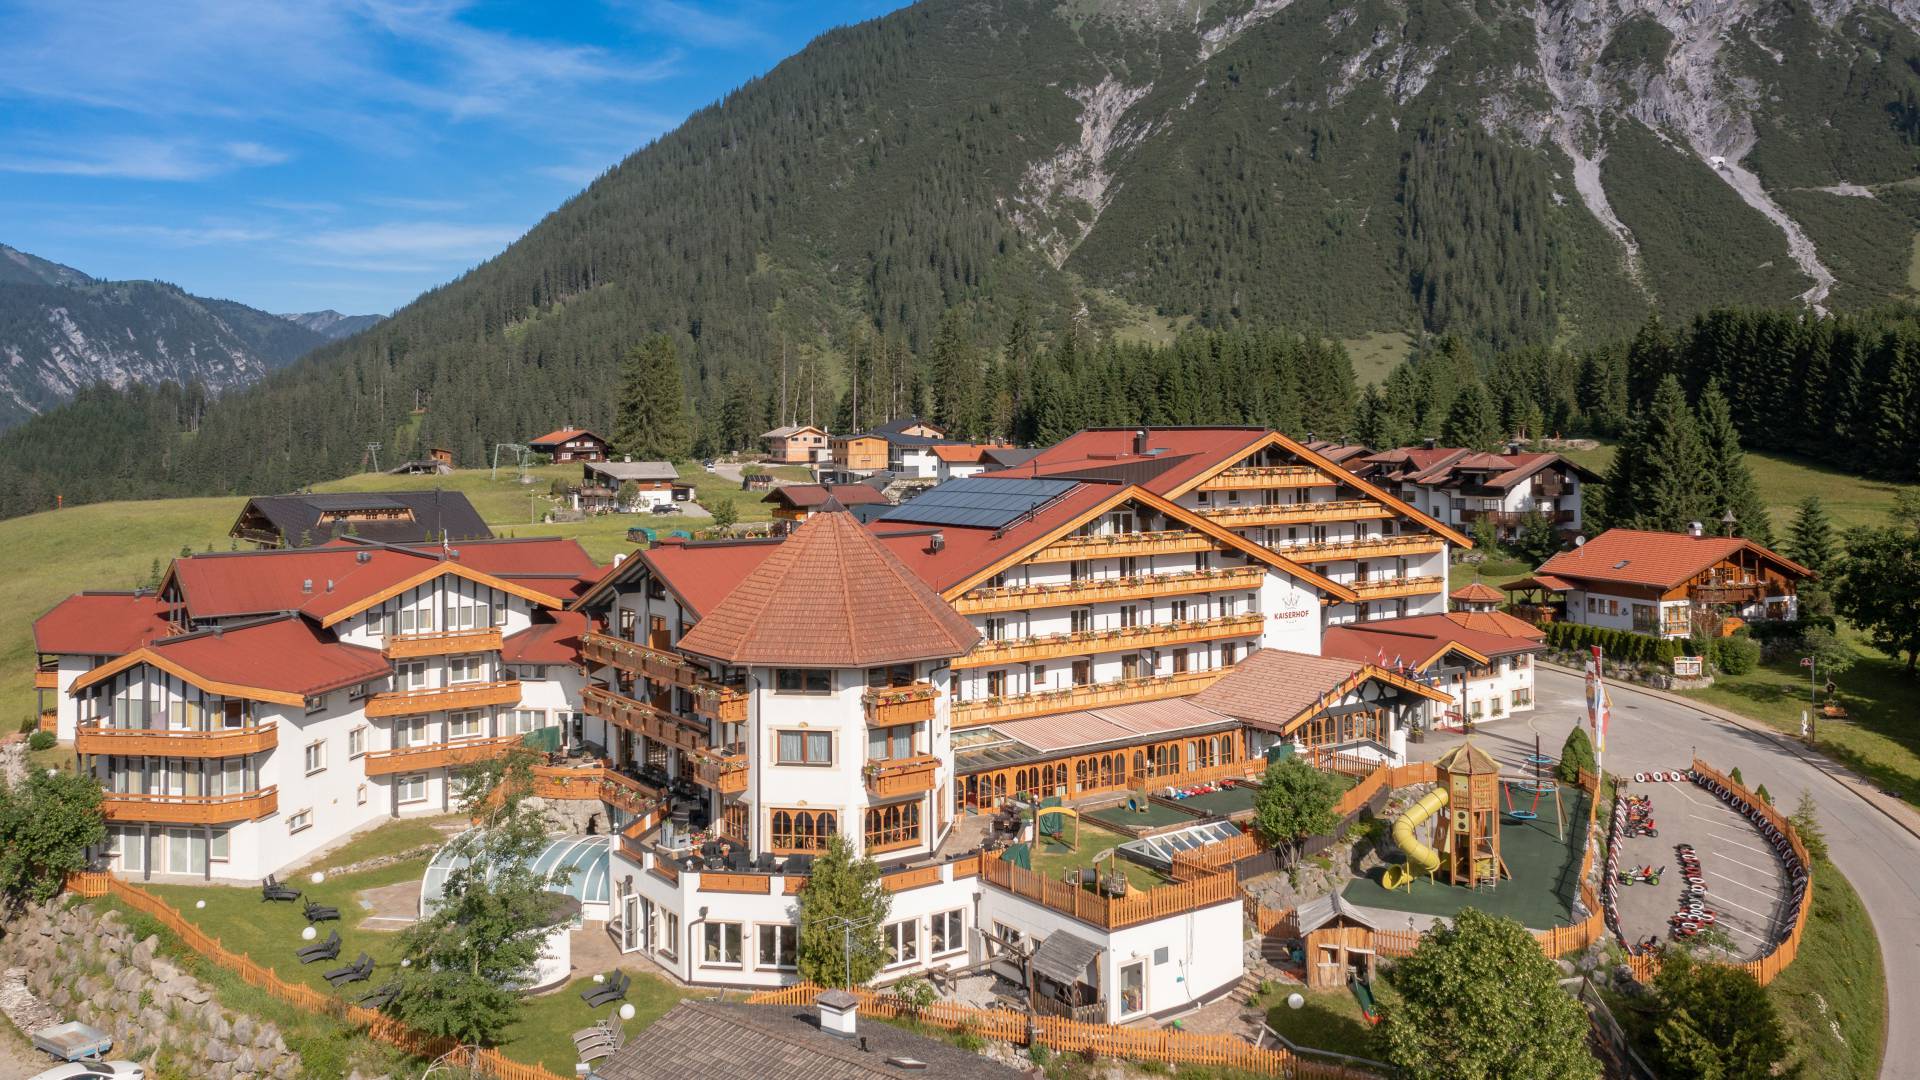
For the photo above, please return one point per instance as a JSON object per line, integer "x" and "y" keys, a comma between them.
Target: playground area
{"x": 1230, "y": 799}
{"x": 1152, "y": 810}
{"x": 1509, "y": 843}
{"x": 1745, "y": 882}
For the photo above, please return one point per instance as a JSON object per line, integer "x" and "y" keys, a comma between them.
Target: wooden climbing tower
{"x": 1469, "y": 840}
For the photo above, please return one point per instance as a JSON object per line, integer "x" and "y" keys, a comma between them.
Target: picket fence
{"x": 378, "y": 1025}
{"x": 1075, "y": 1036}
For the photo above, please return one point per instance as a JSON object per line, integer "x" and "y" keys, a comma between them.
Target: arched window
{"x": 1080, "y": 775}
{"x": 802, "y": 830}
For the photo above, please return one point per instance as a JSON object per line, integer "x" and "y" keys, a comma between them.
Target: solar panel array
{"x": 978, "y": 502}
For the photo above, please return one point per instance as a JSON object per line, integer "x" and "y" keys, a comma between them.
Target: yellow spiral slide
{"x": 1421, "y": 859}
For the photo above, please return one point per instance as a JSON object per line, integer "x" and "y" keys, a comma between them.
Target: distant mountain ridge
{"x": 61, "y": 330}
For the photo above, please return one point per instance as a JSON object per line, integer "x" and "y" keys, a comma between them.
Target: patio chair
{"x": 272, "y": 889}
{"x": 381, "y": 996}
{"x": 358, "y": 971}
{"x": 799, "y": 865}
{"x": 321, "y": 912}
{"x": 614, "y": 989}
{"x": 321, "y": 950}
{"x": 740, "y": 860}
{"x": 764, "y": 863}
{"x": 601, "y": 1032}
{"x": 611, "y": 1039}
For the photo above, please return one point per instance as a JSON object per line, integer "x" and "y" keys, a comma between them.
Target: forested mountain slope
{"x": 1514, "y": 174}
{"x": 61, "y": 330}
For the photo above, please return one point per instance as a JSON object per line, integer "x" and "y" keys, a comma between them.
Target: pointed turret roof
{"x": 830, "y": 595}
{"x": 1468, "y": 759}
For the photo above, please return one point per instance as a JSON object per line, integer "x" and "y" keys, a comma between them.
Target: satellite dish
{"x": 1579, "y": 541}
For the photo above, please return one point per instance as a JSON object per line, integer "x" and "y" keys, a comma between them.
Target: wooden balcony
{"x": 93, "y": 737}
{"x": 725, "y": 773}
{"x": 192, "y": 809}
{"x": 1750, "y": 592}
{"x": 638, "y": 716}
{"x": 442, "y": 643}
{"x": 1376, "y": 548}
{"x": 46, "y": 678}
{"x": 1109, "y": 913}
{"x": 900, "y": 704}
{"x": 609, "y": 786}
{"x": 438, "y": 755}
{"x": 475, "y": 695}
{"x": 1307, "y": 513}
{"x": 1088, "y": 642}
{"x": 1118, "y": 692}
{"x": 1515, "y": 517}
{"x": 1169, "y": 542}
{"x": 727, "y": 704}
{"x": 1267, "y": 476}
{"x": 1097, "y": 590}
{"x": 901, "y": 776}
{"x": 1388, "y": 588}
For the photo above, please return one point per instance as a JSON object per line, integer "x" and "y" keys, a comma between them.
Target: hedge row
{"x": 1624, "y": 646}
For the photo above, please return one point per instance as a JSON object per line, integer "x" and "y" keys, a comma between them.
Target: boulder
{"x": 243, "y": 1029}
{"x": 163, "y": 970}
{"x": 143, "y": 953}
{"x": 217, "y": 1050}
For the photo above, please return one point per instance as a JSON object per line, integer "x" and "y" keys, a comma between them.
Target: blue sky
{"x": 298, "y": 156}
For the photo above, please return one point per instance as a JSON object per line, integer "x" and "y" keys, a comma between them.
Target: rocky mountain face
{"x": 61, "y": 330}
{"x": 332, "y": 325}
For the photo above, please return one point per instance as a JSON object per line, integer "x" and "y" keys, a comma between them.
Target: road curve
{"x": 1880, "y": 857}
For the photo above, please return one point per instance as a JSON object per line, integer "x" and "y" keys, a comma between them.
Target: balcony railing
{"x": 1376, "y": 548}
{"x": 436, "y": 699}
{"x": 191, "y": 809}
{"x": 438, "y": 755}
{"x": 638, "y": 716}
{"x": 1387, "y": 588}
{"x": 1109, "y": 913}
{"x": 1267, "y": 476}
{"x": 1168, "y": 542}
{"x": 93, "y": 737}
{"x": 1295, "y": 513}
{"x": 900, "y": 704}
{"x": 1095, "y": 590}
{"x": 46, "y": 678}
{"x": 901, "y": 776}
{"x": 1086, "y": 642}
{"x": 711, "y": 698}
{"x": 442, "y": 643}
{"x": 614, "y": 788}
{"x": 1751, "y": 592}
{"x": 725, "y": 772}
{"x": 1117, "y": 692}
{"x": 1516, "y": 517}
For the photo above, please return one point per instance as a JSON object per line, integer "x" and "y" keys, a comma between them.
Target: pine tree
{"x": 1730, "y": 486}
{"x": 842, "y": 908}
{"x": 1810, "y": 539}
{"x": 1670, "y": 490}
{"x": 652, "y": 423}
{"x": 1471, "y": 422}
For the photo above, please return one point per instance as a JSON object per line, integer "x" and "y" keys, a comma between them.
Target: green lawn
{"x": 1330, "y": 1020}
{"x": 403, "y": 834}
{"x": 1376, "y": 354}
{"x": 1053, "y": 858}
{"x": 1785, "y": 481}
{"x": 1494, "y": 570}
{"x": 544, "y": 1033}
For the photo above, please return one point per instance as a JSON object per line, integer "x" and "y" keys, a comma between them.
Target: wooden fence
{"x": 378, "y": 1025}
{"x": 1077, "y": 1036}
{"x": 1110, "y": 913}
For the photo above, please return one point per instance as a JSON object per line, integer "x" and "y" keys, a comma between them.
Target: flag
{"x": 1598, "y": 703}
{"x": 1806, "y": 661}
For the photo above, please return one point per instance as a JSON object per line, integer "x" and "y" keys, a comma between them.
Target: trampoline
{"x": 1158, "y": 851}
{"x": 585, "y": 857}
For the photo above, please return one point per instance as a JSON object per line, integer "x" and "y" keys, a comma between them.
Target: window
{"x": 1613, "y": 607}
{"x": 299, "y": 820}
{"x": 1080, "y": 620}
{"x": 777, "y": 946}
{"x": 359, "y": 691}
{"x": 802, "y": 681}
{"x": 220, "y": 846}
{"x": 903, "y": 942}
{"x": 946, "y": 933}
{"x": 802, "y": 830}
{"x": 892, "y": 827}
{"x": 316, "y": 757}
{"x": 1229, "y": 605}
{"x": 360, "y": 795}
{"x": 411, "y": 788}
{"x": 804, "y": 747}
{"x": 1131, "y": 667}
{"x": 1082, "y": 672}
{"x": 887, "y": 743}
{"x": 411, "y": 675}
{"x": 357, "y": 741}
{"x": 670, "y": 935}
{"x": 722, "y": 943}
{"x": 997, "y": 683}
{"x": 471, "y": 667}
{"x": 1129, "y": 615}
{"x": 1079, "y": 570}
{"x": 1177, "y": 610}
{"x": 521, "y": 721}
{"x": 1202, "y": 561}
{"x": 996, "y": 628}
{"x": 464, "y": 724}
{"x": 1229, "y": 653}
{"x": 896, "y": 675}
{"x": 1644, "y": 621}
{"x": 316, "y": 704}
{"x": 1179, "y": 661}
{"x": 409, "y": 731}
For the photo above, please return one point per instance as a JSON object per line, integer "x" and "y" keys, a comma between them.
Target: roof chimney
{"x": 1432, "y": 442}
{"x": 329, "y": 584}
{"x": 1140, "y": 441}
{"x": 1513, "y": 448}
{"x": 306, "y": 585}
{"x": 937, "y": 542}
{"x": 839, "y": 1013}
{"x": 1696, "y": 529}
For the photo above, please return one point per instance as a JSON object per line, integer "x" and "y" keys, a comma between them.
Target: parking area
{"x": 1746, "y": 883}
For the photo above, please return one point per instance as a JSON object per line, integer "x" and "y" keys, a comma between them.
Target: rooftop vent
{"x": 1140, "y": 441}
{"x": 363, "y": 556}
{"x": 839, "y": 1013}
{"x": 1431, "y": 443}
{"x": 907, "y": 1064}
{"x": 306, "y": 585}
{"x": 329, "y": 584}
{"x": 937, "y": 542}
{"x": 1696, "y": 529}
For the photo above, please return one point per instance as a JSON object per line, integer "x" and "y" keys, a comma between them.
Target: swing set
{"x": 1538, "y": 785}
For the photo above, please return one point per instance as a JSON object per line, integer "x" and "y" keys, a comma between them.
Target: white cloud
{"x": 423, "y": 240}
{"x": 140, "y": 158}
{"x": 576, "y": 175}
{"x": 690, "y": 22}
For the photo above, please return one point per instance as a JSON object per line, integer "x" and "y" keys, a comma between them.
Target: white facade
{"x": 1487, "y": 693}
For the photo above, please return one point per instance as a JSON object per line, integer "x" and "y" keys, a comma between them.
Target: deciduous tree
{"x": 1717, "y": 1023}
{"x": 47, "y": 823}
{"x": 1878, "y": 587}
{"x": 1295, "y": 801}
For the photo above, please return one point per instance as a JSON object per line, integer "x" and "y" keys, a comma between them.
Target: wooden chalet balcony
{"x": 442, "y": 643}
{"x": 1376, "y": 548}
{"x": 901, "y": 776}
{"x": 1295, "y": 513}
{"x": 1095, "y": 590}
{"x": 1168, "y": 542}
{"x": 609, "y": 786}
{"x": 93, "y": 737}
{"x": 1085, "y": 642}
{"x": 1118, "y": 692}
{"x": 900, "y": 704}
{"x": 46, "y": 678}
{"x": 1387, "y": 588}
{"x": 711, "y": 698}
{"x": 1267, "y": 476}
{"x": 725, "y": 773}
{"x": 1750, "y": 592}
{"x": 641, "y": 717}
{"x": 438, "y": 755}
{"x": 436, "y": 699}
{"x": 192, "y": 809}
{"x": 1515, "y": 517}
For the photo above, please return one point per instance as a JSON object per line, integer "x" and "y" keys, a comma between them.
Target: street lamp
{"x": 1728, "y": 521}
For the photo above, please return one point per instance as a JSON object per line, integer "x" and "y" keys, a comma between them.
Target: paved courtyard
{"x": 1746, "y": 883}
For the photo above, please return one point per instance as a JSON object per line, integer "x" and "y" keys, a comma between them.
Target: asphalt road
{"x": 1879, "y": 856}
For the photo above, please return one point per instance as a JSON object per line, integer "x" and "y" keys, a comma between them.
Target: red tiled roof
{"x": 552, "y": 641}
{"x": 1120, "y": 723}
{"x": 1499, "y": 623}
{"x": 1416, "y": 639}
{"x": 1539, "y": 581}
{"x": 1275, "y": 688}
{"x": 702, "y": 575}
{"x": 561, "y": 436}
{"x": 830, "y": 595}
{"x": 1478, "y": 592}
{"x": 808, "y": 496}
{"x": 101, "y": 624}
{"x": 284, "y": 659}
{"x": 1182, "y": 453}
{"x": 1657, "y": 559}
{"x": 965, "y": 453}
